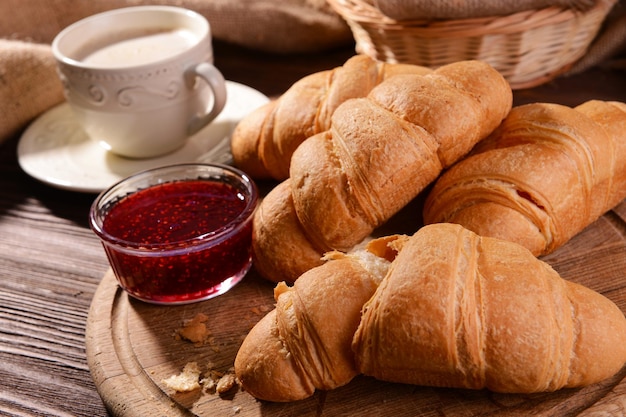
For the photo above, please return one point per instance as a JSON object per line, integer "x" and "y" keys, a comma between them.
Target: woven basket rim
{"x": 366, "y": 14}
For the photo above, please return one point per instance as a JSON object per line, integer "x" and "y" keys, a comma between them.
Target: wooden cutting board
{"x": 131, "y": 348}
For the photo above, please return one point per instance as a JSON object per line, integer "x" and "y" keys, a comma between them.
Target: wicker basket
{"x": 529, "y": 48}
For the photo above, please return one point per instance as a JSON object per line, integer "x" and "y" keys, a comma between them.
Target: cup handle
{"x": 214, "y": 78}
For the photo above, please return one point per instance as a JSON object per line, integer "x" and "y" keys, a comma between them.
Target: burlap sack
{"x": 284, "y": 26}
{"x": 28, "y": 84}
{"x": 609, "y": 47}
{"x": 461, "y": 9}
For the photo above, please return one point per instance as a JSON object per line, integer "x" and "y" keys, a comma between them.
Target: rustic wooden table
{"x": 51, "y": 263}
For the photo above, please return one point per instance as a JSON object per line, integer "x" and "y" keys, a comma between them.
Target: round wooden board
{"x": 131, "y": 348}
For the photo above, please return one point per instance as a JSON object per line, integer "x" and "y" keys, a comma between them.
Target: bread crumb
{"x": 194, "y": 330}
{"x": 280, "y": 288}
{"x": 218, "y": 382}
{"x": 212, "y": 381}
{"x": 225, "y": 384}
{"x": 187, "y": 380}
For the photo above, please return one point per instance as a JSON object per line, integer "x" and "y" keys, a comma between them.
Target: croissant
{"x": 544, "y": 175}
{"x": 447, "y": 308}
{"x": 304, "y": 343}
{"x": 263, "y": 142}
{"x": 379, "y": 153}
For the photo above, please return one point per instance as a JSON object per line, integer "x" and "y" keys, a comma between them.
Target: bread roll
{"x": 458, "y": 310}
{"x": 444, "y": 307}
{"x": 379, "y": 153}
{"x": 544, "y": 175}
{"x": 304, "y": 344}
{"x": 263, "y": 142}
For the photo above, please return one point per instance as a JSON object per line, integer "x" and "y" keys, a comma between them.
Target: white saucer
{"x": 55, "y": 150}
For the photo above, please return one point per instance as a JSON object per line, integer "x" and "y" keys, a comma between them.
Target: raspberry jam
{"x": 178, "y": 241}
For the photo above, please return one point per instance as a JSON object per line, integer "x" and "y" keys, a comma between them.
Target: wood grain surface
{"x": 131, "y": 349}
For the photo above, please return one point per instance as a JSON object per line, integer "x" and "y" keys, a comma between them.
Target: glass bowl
{"x": 177, "y": 234}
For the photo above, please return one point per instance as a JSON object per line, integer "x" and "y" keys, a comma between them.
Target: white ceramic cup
{"x": 140, "y": 80}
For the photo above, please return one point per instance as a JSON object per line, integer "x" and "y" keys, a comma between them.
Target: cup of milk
{"x": 140, "y": 80}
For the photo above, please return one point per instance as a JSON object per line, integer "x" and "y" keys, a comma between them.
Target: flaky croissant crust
{"x": 539, "y": 179}
{"x": 263, "y": 142}
{"x": 460, "y": 310}
{"x": 444, "y": 307}
{"x": 379, "y": 154}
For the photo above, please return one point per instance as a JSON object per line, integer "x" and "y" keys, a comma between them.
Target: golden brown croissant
{"x": 304, "y": 343}
{"x": 453, "y": 310}
{"x": 380, "y": 152}
{"x": 263, "y": 142}
{"x": 544, "y": 175}
{"x": 459, "y": 310}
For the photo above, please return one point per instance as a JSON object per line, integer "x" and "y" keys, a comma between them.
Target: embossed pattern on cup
{"x": 140, "y": 109}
